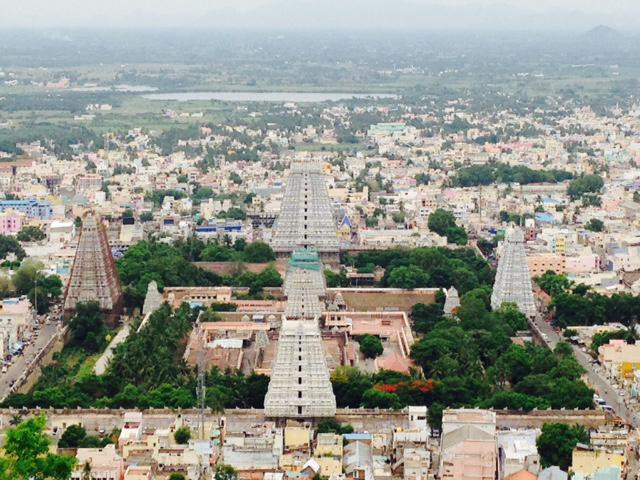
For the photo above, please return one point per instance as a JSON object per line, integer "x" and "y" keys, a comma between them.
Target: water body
{"x": 298, "y": 97}
{"x": 118, "y": 88}
{"x": 135, "y": 88}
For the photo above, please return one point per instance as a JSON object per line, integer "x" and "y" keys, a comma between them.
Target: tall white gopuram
{"x": 300, "y": 386}
{"x": 513, "y": 283}
{"x": 305, "y": 219}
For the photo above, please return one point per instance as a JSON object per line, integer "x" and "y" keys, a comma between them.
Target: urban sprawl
{"x": 361, "y": 289}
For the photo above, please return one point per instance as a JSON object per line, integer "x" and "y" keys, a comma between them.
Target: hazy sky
{"x": 514, "y": 14}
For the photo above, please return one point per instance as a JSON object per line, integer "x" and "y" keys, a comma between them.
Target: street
{"x": 20, "y": 362}
{"x": 600, "y": 384}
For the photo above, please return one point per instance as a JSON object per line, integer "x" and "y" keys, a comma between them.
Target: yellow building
{"x": 586, "y": 461}
{"x": 296, "y": 437}
{"x": 328, "y": 445}
{"x": 293, "y": 462}
{"x": 329, "y": 466}
{"x": 560, "y": 245}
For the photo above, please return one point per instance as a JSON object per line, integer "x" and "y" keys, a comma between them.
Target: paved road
{"x": 47, "y": 331}
{"x": 600, "y": 384}
{"x": 103, "y": 362}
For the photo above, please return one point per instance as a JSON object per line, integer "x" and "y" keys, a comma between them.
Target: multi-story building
{"x": 88, "y": 182}
{"x": 15, "y": 315}
{"x": 468, "y": 445}
{"x": 542, "y": 262}
{"x": 31, "y": 208}
{"x": 10, "y": 222}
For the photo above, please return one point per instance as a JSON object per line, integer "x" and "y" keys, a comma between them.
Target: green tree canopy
{"x": 410, "y": 276}
{"x": 552, "y": 283}
{"x": 331, "y": 425}
{"x": 75, "y": 436}
{"x": 595, "y": 225}
{"x": 31, "y": 234}
{"x": 10, "y": 245}
{"x": 586, "y": 184}
{"x": 87, "y": 327}
{"x": 147, "y": 261}
{"x": 225, "y": 472}
{"x": 182, "y": 435}
{"x": 334, "y": 279}
{"x": 374, "y": 398}
{"x": 72, "y": 436}
{"x": 258, "y": 252}
{"x": 557, "y": 441}
{"x": 26, "y": 454}
{"x": 502, "y": 173}
{"x": 425, "y": 317}
{"x": 444, "y": 223}
{"x": 146, "y": 217}
{"x": 371, "y": 346}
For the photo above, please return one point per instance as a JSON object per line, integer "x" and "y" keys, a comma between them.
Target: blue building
{"x": 233, "y": 228}
{"x": 31, "y": 208}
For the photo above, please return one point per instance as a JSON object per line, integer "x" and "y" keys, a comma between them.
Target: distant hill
{"x": 603, "y": 33}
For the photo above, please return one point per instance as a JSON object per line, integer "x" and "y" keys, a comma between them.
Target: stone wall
{"x": 237, "y": 419}
{"x": 31, "y": 375}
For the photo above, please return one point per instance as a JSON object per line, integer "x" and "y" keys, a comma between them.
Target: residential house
{"x": 588, "y": 462}
{"x": 104, "y": 463}
{"x": 517, "y": 451}
{"x": 619, "y": 359}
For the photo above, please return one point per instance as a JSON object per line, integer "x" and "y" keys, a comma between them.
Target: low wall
{"x": 355, "y": 416}
{"x": 537, "y": 418}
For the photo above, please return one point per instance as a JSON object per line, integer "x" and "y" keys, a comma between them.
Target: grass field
{"x": 86, "y": 367}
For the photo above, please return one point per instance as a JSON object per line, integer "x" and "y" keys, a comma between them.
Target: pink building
{"x": 541, "y": 263}
{"x": 10, "y": 222}
{"x": 582, "y": 263}
{"x": 468, "y": 445}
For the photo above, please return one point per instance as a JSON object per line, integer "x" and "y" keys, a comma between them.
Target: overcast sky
{"x": 483, "y": 14}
